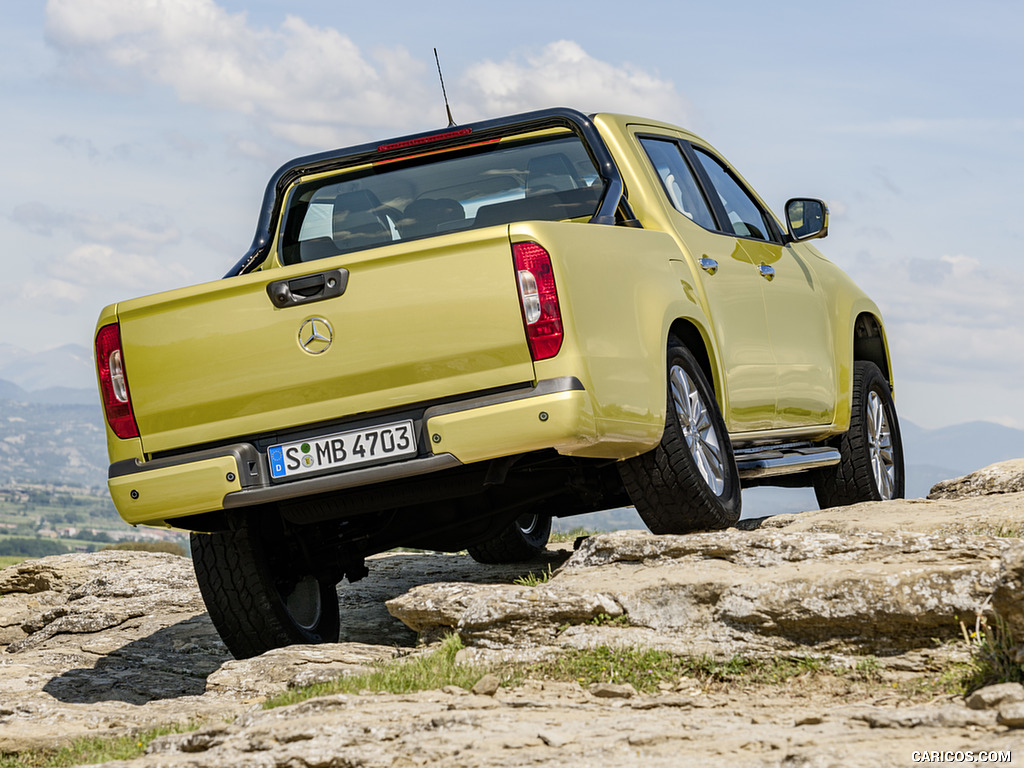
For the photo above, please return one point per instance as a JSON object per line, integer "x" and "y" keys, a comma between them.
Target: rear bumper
{"x": 557, "y": 413}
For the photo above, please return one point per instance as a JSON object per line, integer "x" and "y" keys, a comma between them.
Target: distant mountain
{"x": 11, "y": 391}
{"x": 68, "y": 366}
{"x": 42, "y": 443}
{"x": 49, "y": 396}
{"x": 962, "y": 448}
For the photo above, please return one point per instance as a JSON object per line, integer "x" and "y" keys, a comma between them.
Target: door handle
{"x": 767, "y": 272}
{"x": 709, "y": 265}
{"x": 308, "y": 288}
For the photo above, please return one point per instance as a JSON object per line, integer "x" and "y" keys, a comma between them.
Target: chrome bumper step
{"x": 769, "y": 461}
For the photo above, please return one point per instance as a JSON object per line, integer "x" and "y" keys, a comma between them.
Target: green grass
{"x": 6, "y": 560}
{"x": 644, "y": 669}
{"x": 90, "y": 750}
{"x": 427, "y": 671}
{"x": 534, "y": 578}
{"x": 994, "y": 656}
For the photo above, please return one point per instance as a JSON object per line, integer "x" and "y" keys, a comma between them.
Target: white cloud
{"x": 313, "y": 85}
{"x": 298, "y": 74}
{"x": 562, "y": 73}
{"x": 94, "y": 264}
{"x": 952, "y": 318}
{"x": 84, "y": 278}
{"x": 53, "y": 294}
{"x": 122, "y": 232}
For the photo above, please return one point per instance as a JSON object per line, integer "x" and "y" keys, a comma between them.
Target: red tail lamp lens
{"x": 117, "y": 402}
{"x": 541, "y": 315}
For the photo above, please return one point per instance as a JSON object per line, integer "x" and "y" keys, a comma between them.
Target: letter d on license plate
{"x": 344, "y": 449}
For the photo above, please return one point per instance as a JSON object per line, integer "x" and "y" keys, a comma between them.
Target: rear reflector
{"x": 114, "y": 382}
{"x": 541, "y": 314}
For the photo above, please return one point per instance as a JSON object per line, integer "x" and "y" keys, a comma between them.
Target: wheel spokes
{"x": 694, "y": 418}
{"x": 880, "y": 447}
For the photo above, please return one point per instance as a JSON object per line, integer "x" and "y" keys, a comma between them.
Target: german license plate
{"x": 344, "y": 449}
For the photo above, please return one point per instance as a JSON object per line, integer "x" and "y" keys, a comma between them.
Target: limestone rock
{"x": 761, "y": 591}
{"x": 498, "y": 614}
{"x": 1004, "y": 477}
{"x": 1011, "y": 715}
{"x": 986, "y": 515}
{"x": 119, "y": 641}
{"x": 294, "y": 666}
{"x": 948, "y": 716}
{"x": 612, "y": 690}
{"x": 994, "y": 696}
{"x": 487, "y": 685}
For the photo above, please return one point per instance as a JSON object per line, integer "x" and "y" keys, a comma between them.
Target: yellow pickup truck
{"x": 447, "y": 339}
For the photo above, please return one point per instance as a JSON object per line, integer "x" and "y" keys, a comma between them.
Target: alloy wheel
{"x": 880, "y": 448}
{"x": 698, "y": 430}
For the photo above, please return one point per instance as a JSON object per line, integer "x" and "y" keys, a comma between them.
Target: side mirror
{"x": 806, "y": 219}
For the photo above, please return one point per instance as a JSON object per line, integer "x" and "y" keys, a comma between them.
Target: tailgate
{"x": 417, "y": 322}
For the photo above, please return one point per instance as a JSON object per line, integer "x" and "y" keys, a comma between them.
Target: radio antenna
{"x": 451, "y": 121}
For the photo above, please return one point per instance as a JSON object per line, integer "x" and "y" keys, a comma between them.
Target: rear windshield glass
{"x": 549, "y": 178}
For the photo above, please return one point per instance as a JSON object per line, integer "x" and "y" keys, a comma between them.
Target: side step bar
{"x": 768, "y": 461}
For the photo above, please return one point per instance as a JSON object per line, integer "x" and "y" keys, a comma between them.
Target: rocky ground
{"x": 119, "y": 641}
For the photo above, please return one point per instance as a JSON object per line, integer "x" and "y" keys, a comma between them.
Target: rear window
{"x": 549, "y": 177}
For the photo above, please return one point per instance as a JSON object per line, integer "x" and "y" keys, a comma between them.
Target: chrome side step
{"x": 768, "y": 461}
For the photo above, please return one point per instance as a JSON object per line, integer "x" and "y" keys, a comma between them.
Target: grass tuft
{"x": 91, "y": 750}
{"x": 645, "y": 669}
{"x": 422, "y": 672}
{"x": 534, "y": 578}
{"x": 994, "y": 656}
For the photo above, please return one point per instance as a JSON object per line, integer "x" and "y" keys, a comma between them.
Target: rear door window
{"x": 678, "y": 180}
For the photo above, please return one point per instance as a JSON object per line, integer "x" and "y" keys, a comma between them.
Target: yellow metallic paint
{"x": 400, "y": 337}
{"x": 184, "y": 489}
{"x": 562, "y": 420}
{"x": 801, "y": 408}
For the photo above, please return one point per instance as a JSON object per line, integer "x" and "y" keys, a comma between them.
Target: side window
{"x": 745, "y": 216}
{"x": 680, "y": 185}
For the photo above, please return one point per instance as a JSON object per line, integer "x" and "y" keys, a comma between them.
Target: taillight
{"x": 541, "y": 314}
{"x": 114, "y": 382}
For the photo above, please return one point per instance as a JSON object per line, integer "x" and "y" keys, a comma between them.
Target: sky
{"x": 138, "y": 138}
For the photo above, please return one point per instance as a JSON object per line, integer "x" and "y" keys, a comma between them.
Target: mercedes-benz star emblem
{"x": 315, "y": 335}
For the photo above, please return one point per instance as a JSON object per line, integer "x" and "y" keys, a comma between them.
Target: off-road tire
{"x": 871, "y": 446}
{"x": 666, "y": 485}
{"x": 246, "y": 591}
{"x": 522, "y": 540}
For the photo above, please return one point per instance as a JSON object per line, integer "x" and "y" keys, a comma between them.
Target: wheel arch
{"x": 695, "y": 340}
{"x": 869, "y": 343}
